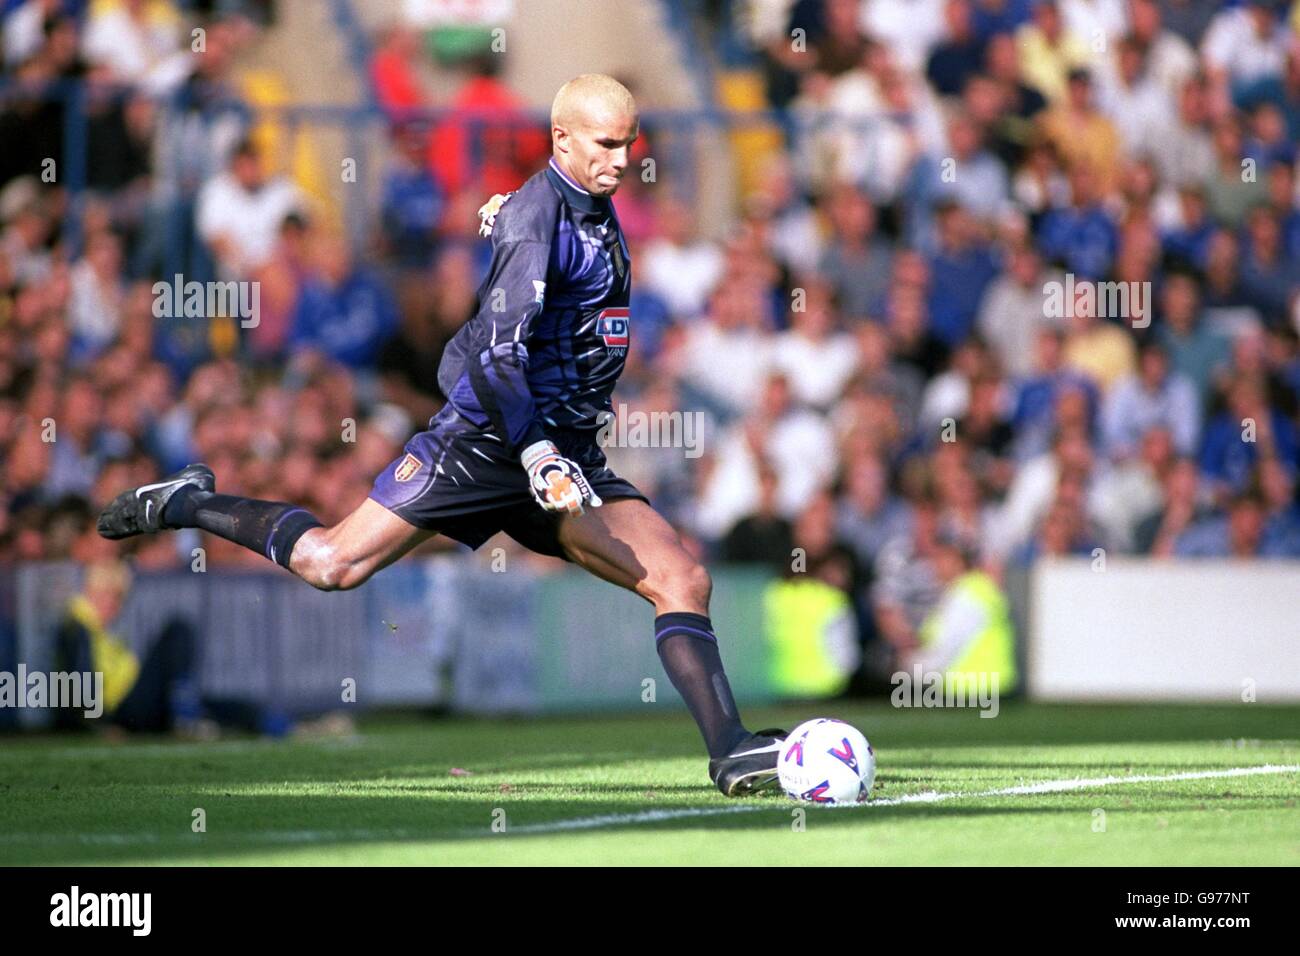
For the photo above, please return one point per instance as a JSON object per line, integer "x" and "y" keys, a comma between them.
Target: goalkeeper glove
{"x": 557, "y": 483}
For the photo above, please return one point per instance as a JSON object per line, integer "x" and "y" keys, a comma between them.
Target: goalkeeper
{"x": 528, "y": 381}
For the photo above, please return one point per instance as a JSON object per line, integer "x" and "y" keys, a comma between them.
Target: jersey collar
{"x": 575, "y": 195}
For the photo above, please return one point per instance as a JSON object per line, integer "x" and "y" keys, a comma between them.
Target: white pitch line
{"x": 645, "y": 816}
{"x": 1047, "y": 786}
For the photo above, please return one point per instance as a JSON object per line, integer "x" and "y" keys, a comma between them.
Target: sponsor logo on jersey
{"x": 407, "y": 467}
{"x": 612, "y": 327}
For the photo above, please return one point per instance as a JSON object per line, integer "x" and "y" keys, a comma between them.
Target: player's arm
{"x": 510, "y": 299}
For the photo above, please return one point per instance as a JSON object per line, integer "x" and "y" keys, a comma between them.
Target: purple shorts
{"x": 457, "y": 479}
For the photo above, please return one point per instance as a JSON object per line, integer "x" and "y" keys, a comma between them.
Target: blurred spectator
{"x": 725, "y": 356}
{"x": 959, "y": 55}
{"x": 1035, "y": 487}
{"x": 796, "y": 444}
{"x": 487, "y": 114}
{"x": 1154, "y": 396}
{"x": 1238, "y": 533}
{"x": 136, "y": 41}
{"x": 856, "y": 261}
{"x": 394, "y": 72}
{"x": 1249, "y": 429}
{"x": 158, "y": 693}
{"x": 344, "y": 311}
{"x": 808, "y": 614}
{"x": 1245, "y": 44}
{"x": 816, "y": 358}
{"x": 907, "y": 584}
{"x": 968, "y": 637}
{"x": 961, "y": 268}
{"x": 240, "y": 212}
{"x": 1081, "y": 135}
{"x": 762, "y": 537}
{"x": 1012, "y": 312}
{"x": 1082, "y": 237}
{"x": 1048, "y": 50}
{"x": 870, "y": 515}
{"x": 1098, "y": 347}
{"x": 681, "y": 267}
{"x": 413, "y": 202}
{"x": 1135, "y": 102}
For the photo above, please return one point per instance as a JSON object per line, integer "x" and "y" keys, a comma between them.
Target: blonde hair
{"x": 589, "y": 93}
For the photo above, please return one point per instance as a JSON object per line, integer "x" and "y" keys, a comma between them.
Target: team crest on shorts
{"x": 407, "y": 467}
{"x": 612, "y": 327}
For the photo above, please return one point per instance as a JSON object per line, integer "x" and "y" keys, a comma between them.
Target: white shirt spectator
{"x": 1028, "y": 500}
{"x": 683, "y": 276}
{"x": 1094, "y": 21}
{"x": 1010, "y": 318}
{"x": 876, "y": 150}
{"x": 1127, "y": 494}
{"x": 728, "y": 366}
{"x": 817, "y": 369}
{"x": 910, "y": 28}
{"x": 1141, "y": 113}
{"x": 1231, "y": 44}
{"x": 128, "y": 46}
{"x": 1170, "y": 62}
{"x": 23, "y": 35}
{"x": 94, "y": 305}
{"x": 800, "y": 448}
{"x": 249, "y": 219}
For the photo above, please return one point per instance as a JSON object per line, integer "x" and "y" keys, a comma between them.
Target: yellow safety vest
{"x": 796, "y": 613}
{"x": 108, "y": 655}
{"x": 992, "y": 650}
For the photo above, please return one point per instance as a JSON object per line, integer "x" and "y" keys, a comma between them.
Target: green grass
{"x": 388, "y": 797}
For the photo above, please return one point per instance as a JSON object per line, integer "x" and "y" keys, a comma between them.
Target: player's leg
{"x": 347, "y": 554}
{"x": 330, "y": 558}
{"x": 627, "y": 542}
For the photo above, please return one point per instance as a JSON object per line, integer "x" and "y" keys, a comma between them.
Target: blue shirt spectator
{"x": 345, "y": 312}
{"x": 1083, "y": 239}
{"x": 412, "y": 207}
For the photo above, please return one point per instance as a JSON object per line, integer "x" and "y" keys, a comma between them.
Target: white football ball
{"x": 827, "y": 761}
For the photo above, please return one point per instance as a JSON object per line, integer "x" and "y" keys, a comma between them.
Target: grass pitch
{"x": 1036, "y": 785}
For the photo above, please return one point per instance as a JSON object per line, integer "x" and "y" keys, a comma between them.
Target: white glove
{"x": 557, "y": 483}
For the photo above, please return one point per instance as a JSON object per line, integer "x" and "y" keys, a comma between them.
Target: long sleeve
{"x": 509, "y": 299}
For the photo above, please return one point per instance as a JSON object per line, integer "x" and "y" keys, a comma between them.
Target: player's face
{"x": 600, "y": 152}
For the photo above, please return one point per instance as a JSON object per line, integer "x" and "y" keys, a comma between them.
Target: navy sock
{"x": 689, "y": 652}
{"x": 271, "y": 528}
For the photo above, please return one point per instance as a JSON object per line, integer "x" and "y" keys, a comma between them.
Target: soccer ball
{"x": 827, "y": 761}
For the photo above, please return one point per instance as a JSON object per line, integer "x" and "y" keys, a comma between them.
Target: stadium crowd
{"x": 871, "y": 344}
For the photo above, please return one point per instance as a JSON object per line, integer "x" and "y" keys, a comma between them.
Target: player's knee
{"x": 687, "y": 585}
{"x": 326, "y": 566}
